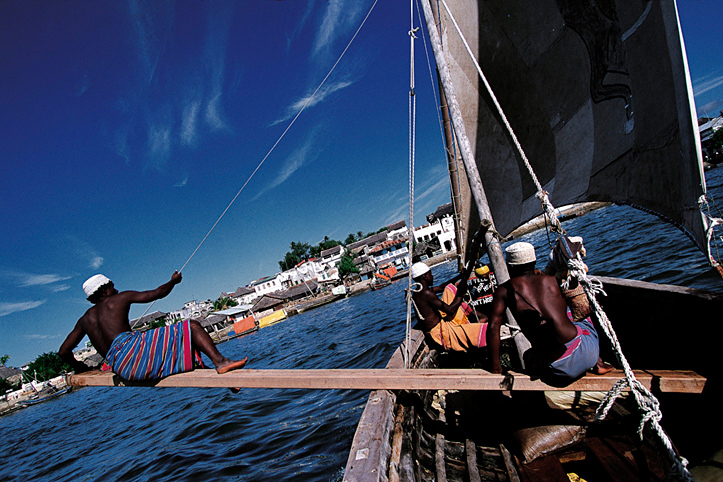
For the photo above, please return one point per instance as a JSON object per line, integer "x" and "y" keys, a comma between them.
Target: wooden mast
{"x": 494, "y": 250}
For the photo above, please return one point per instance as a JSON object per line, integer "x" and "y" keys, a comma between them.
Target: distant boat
{"x": 45, "y": 395}
{"x": 319, "y": 301}
{"x": 340, "y": 290}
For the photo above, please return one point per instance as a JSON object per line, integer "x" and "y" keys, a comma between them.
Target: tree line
{"x": 299, "y": 251}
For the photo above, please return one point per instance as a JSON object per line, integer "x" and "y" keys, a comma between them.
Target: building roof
{"x": 441, "y": 212}
{"x": 241, "y": 291}
{"x": 7, "y": 372}
{"x": 264, "y": 280}
{"x": 147, "y": 319}
{"x": 269, "y": 300}
{"x": 372, "y": 240}
{"x": 332, "y": 251}
{"x": 234, "y": 311}
{"x": 398, "y": 225}
{"x": 212, "y": 320}
{"x": 385, "y": 245}
{"x": 299, "y": 289}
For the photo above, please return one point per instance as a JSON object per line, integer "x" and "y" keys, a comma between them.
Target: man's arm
{"x": 493, "y": 328}
{"x": 66, "y": 349}
{"x": 153, "y": 295}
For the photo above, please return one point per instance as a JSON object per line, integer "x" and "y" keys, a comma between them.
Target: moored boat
{"x": 599, "y": 96}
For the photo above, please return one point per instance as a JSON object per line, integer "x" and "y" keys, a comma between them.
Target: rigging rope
{"x": 647, "y": 402}
{"x": 283, "y": 134}
{"x": 412, "y": 146}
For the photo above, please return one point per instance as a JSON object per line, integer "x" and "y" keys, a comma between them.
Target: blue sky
{"x": 127, "y": 128}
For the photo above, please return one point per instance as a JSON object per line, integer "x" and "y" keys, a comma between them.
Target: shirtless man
{"x": 561, "y": 350}
{"x": 133, "y": 355}
{"x": 448, "y": 334}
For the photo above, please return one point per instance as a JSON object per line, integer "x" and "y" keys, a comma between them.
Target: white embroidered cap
{"x": 93, "y": 283}
{"x": 419, "y": 269}
{"x": 520, "y": 253}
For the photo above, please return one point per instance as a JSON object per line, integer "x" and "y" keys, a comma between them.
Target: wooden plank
{"x": 470, "y": 449}
{"x": 618, "y": 466}
{"x": 370, "y": 449}
{"x": 544, "y": 469}
{"x": 395, "y": 379}
{"x": 439, "y": 465}
{"x": 509, "y": 464}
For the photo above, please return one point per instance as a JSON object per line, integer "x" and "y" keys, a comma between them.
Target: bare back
{"x": 106, "y": 320}
{"x": 535, "y": 300}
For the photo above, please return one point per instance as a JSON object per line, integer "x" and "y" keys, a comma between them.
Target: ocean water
{"x": 147, "y": 434}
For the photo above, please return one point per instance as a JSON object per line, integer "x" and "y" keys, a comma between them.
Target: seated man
{"x": 465, "y": 311}
{"x": 134, "y": 355}
{"x": 561, "y": 350}
{"x": 449, "y": 335}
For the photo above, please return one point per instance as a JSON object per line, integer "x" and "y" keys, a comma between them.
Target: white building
{"x": 243, "y": 295}
{"x": 330, "y": 257}
{"x": 269, "y": 284}
{"x": 392, "y": 252}
{"x": 191, "y": 309}
{"x": 440, "y": 228}
{"x": 398, "y": 230}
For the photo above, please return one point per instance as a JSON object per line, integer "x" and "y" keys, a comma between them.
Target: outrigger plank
{"x": 396, "y": 379}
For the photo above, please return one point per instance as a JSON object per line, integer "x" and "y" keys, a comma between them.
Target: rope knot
{"x": 412, "y": 32}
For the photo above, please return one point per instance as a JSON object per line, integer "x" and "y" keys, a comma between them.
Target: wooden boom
{"x": 394, "y": 379}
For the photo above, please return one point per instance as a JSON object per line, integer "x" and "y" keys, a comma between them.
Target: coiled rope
{"x": 647, "y": 402}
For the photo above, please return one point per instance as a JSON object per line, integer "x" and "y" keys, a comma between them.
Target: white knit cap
{"x": 419, "y": 269}
{"x": 93, "y": 283}
{"x": 520, "y": 253}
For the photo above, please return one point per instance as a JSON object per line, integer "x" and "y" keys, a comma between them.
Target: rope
{"x": 412, "y": 153}
{"x": 283, "y": 134}
{"x": 646, "y": 401}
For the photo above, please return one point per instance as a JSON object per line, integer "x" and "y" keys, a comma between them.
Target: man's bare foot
{"x": 230, "y": 365}
{"x": 601, "y": 368}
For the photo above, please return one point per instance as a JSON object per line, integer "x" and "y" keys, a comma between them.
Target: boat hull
{"x": 394, "y": 437}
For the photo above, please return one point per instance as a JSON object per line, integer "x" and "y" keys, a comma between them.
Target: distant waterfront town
{"x": 379, "y": 258}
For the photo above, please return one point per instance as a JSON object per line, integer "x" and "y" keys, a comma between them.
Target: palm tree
{"x": 223, "y": 303}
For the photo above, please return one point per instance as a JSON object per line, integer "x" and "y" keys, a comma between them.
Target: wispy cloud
{"x": 96, "y": 262}
{"x": 151, "y": 33}
{"x": 435, "y": 189}
{"x": 711, "y": 108}
{"x": 27, "y": 279}
{"x": 214, "y": 56}
{"x": 707, "y": 83}
{"x": 86, "y": 252}
{"x": 338, "y": 18}
{"x": 159, "y": 144}
{"x": 301, "y": 156}
{"x": 35, "y": 336}
{"x": 189, "y": 122}
{"x": 10, "y": 308}
{"x": 60, "y": 288}
{"x": 320, "y": 96}
{"x": 182, "y": 182}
